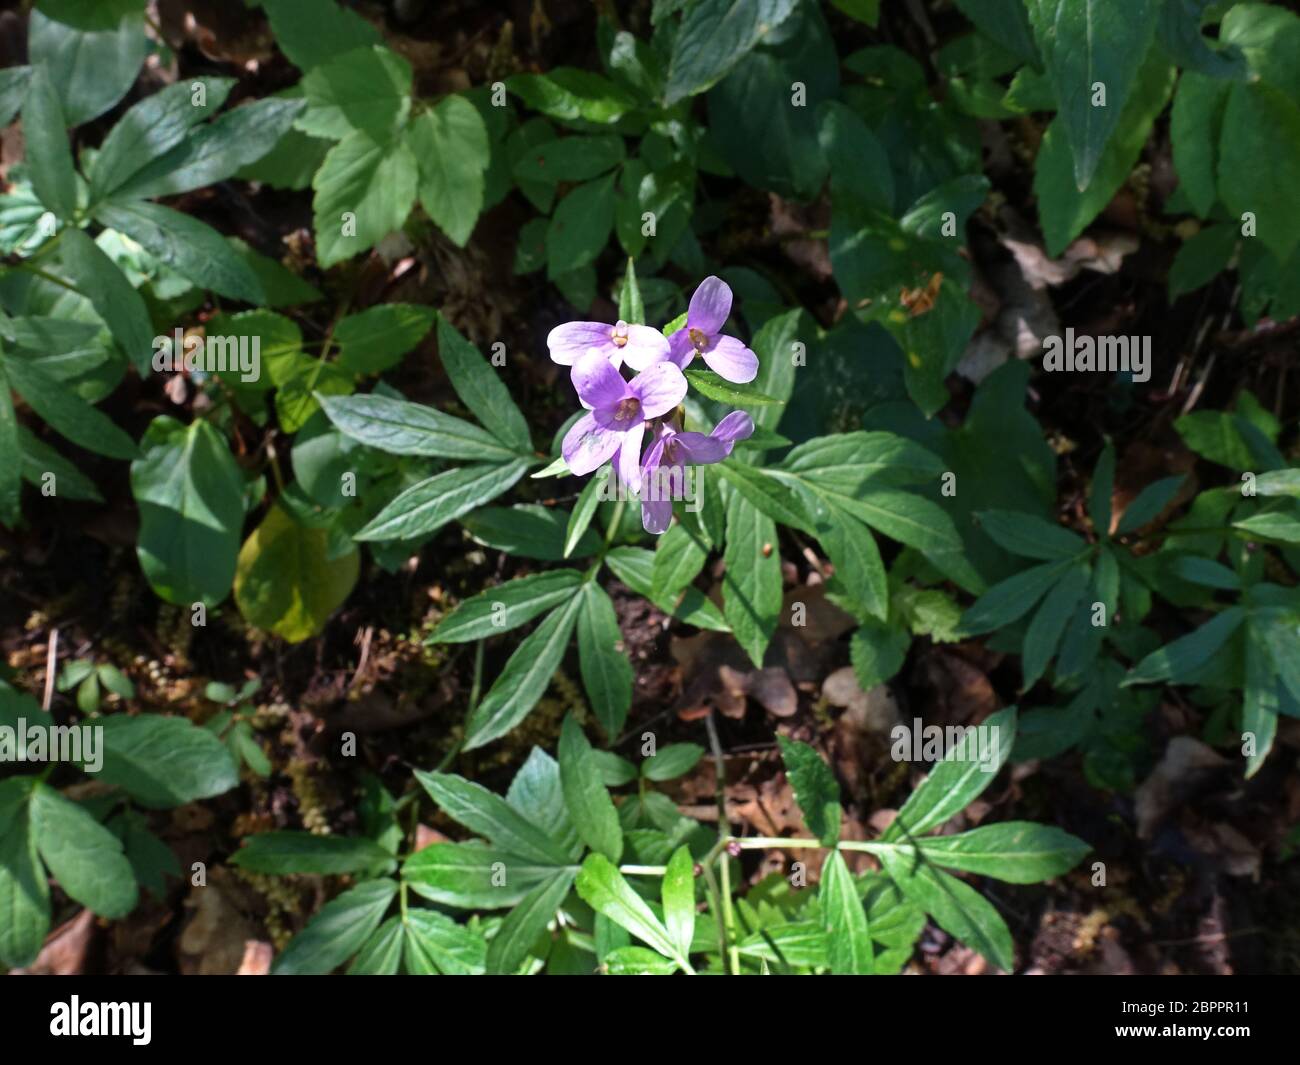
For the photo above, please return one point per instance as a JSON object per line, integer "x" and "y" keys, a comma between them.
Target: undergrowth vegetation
{"x": 723, "y": 419}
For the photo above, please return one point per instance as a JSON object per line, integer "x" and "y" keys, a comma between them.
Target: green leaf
{"x": 120, "y": 306}
{"x": 859, "y": 569}
{"x": 580, "y": 227}
{"x": 585, "y": 795}
{"x": 634, "y": 566}
{"x": 585, "y": 509}
{"x": 1195, "y": 125}
{"x": 678, "y": 890}
{"x": 751, "y": 586}
{"x": 84, "y": 856}
{"x": 606, "y": 671}
{"x": 367, "y": 90}
{"x": 1188, "y": 653}
{"x": 48, "y": 154}
{"x": 603, "y": 888}
{"x": 480, "y": 388}
{"x": 402, "y": 428}
{"x": 1018, "y": 852}
{"x": 1082, "y": 44}
{"x": 955, "y": 906}
{"x": 376, "y": 339}
{"x": 570, "y": 159}
{"x": 311, "y": 32}
{"x": 24, "y": 891}
{"x": 1261, "y": 122}
{"x": 815, "y": 789}
{"x": 215, "y": 151}
{"x": 190, "y": 495}
{"x": 528, "y": 530}
{"x": 364, "y": 191}
{"x": 966, "y": 770}
{"x": 1202, "y": 258}
{"x": 1013, "y": 598}
{"x": 524, "y": 678}
{"x": 848, "y": 936}
{"x": 486, "y": 813}
{"x": 1066, "y": 208}
{"x": 192, "y": 248}
{"x": 1278, "y": 483}
{"x": 67, "y": 412}
{"x": 10, "y": 472}
{"x": 283, "y": 853}
{"x": 877, "y": 652}
{"x": 526, "y": 922}
{"x": 381, "y": 954}
{"x": 92, "y": 51}
{"x": 163, "y": 762}
{"x": 340, "y": 928}
{"x": 768, "y": 495}
{"x": 1049, "y": 622}
{"x": 286, "y": 579}
{"x": 710, "y": 385}
{"x": 150, "y": 129}
{"x": 430, "y": 504}
{"x": 714, "y": 36}
{"x": 507, "y": 606}
{"x": 572, "y": 95}
{"x": 1179, "y": 33}
{"x": 679, "y": 557}
{"x": 1259, "y": 700}
{"x": 1149, "y": 504}
{"x": 472, "y": 876}
{"x": 631, "y": 306}
{"x": 437, "y": 944}
{"x": 450, "y": 141}
{"x": 672, "y": 761}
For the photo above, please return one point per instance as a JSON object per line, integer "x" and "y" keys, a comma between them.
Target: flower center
{"x": 672, "y": 451}
{"x": 619, "y": 334}
{"x": 627, "y": 409}
{"x": 698, "y": 339}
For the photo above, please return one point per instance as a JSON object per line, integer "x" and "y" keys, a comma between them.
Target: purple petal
{"x": 730, "y": 359}
{"x": 569, "y": 342}
{"x": 588, "y": 446}
{"x": 629, "y": 457}
{"x": 701, "y": 450}
{"x": 710, "y": 306}
{"x": 656, "y": 515}
{"x": 680, "y": 349}
{"x": 660, "y": 389}
{"x": 644, "y": 347}
{"x": 735, "y": 426}
{"x": 599, "y": 385}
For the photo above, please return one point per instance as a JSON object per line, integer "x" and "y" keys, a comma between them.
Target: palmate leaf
{"x": 528, "y": 920}
{"x": 603, "y": 888}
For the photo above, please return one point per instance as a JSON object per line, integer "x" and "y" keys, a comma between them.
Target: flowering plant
{"x": 620, "y": 411}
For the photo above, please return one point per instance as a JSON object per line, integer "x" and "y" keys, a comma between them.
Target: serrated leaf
{"x": 585, "y": 796}
{"x": 84, "y": 856}
{"x": 402, "y": 428}
{"x": 163, "y": 762}
{"x": 815, "y": 789}
{"x": 284, "y": 853}
{"x": 429, "y": 505}
{"x": 339, "y": 929}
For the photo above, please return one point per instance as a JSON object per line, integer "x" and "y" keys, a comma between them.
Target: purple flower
{"x": 726, "y": 356}
{"x": 637, "y": 345}
{"x": 663, "y": 474}
{"x": 619, "y": 411}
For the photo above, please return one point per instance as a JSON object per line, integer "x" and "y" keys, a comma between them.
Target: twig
{"x": 51, "y": 662}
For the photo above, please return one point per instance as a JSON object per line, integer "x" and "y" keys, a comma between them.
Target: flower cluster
{"x": 620, "y": 412}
